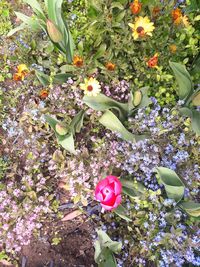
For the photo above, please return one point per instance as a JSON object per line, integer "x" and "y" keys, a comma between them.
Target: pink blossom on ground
{"x": 108, "y": 192}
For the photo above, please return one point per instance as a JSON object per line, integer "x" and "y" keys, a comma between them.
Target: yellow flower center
{"x": 90, "y": 88}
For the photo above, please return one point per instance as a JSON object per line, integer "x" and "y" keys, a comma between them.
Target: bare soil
{"x": 74, "y": 250}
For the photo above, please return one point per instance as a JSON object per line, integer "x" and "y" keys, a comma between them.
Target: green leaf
{"x": 100, "y": 52}
{"x": 132, "y": 189}
{"x": 184, "y": 111}
{"x": 122, "y": 212}
{"x": 42, "y": 77}
{"x": 102, "y": 102}
{"x": 111, "y": 122}
{"x": 61, "y": 78}
{"x": 29, "y": 21}
{"x": 120, "y": 17}
{"x": 191, "y": 208}
{"x": 106, "y": 241}
{"x": 66, "y": 141}
{"x": 196, "y": 121}
{"x": 18, "y": 28}
{"x": 117, "y": 5}
{"x": 174, "y": 187}
{"x": 183, "y": 78}
{"x": 145, "y": 99}
{"x": 36, "y": 8}
{"x": 104, "y": 248}
{"x": 77, "y": 122}
{"x": 196, "y": 99}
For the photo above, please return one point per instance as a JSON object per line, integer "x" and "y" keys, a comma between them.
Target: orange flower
{"x": 135, "y": 7}
{"x": 176, "y": 16}
{"x": 153, "y": 62}
{"x": 44, "y": 94}
{"x": 18, "y": 76}
{"x": 173, "y": 48}
{"x": 22, "y": 71}
{"x": 155, "y": 11}
{"x": 78, "y": 61}
{"x": 110, "y": 66}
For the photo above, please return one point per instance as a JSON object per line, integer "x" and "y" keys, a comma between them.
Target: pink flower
{"x": 108, "y": 192}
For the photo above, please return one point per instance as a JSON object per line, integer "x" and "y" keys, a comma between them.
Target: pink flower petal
{"x": 117, "y": 183}
{"x": 99, "y": 196}
{"x": 107, "y": 190}
{"x": 117, "y": 201}
{"x": 106, "y": 207}
{"x": 103, "y": 183}
{"x": 109, "y": 200}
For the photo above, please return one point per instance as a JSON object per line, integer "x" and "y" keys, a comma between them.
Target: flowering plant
{"x": 108, "y": 192}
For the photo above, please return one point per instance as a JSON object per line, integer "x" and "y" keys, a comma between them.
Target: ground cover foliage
{"x": 100, "y": 112}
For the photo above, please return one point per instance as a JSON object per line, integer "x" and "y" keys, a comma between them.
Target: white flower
{"x": 91, "y": 87}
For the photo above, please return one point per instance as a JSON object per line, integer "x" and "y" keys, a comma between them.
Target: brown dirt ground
{"x": 74, "y": 250}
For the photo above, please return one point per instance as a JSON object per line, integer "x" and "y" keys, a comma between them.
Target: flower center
{"x": 140, "y": 30}
{"x": 90, "y": 88}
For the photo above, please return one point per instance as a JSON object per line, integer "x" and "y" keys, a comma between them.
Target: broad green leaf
{"x": 18, "y": 28}
{"x": 106, "y": 241}
{"x": 196, "y": 99}
{"x": 67, "y": 142}
{"x": 36, "y": 8}
{"x": 61, "y": 78}
{"x": 145, "y": 99}
{"x": 108, "y": 259}
{"x": 121, "y": 15}
{"x": 117, "y": 5}
{"x": 104, "y": 249}
{"x": 102, "y": 102}
{"x": 196, "y": 121}
{"x": 174, "y": 187}
{"x": 67, "y": 68}
{"x": 51, "y": 9}
{"x": 132, "y": 189}
{"x": 77, "y": 122}
{"x": 183, "y": 78}
{"x": 192, "y": 208}
{"x": 122, "y": 212}
{"x": 42, "y": 77}
{"x": 111, "y": 122}
{"x": 100, "y": 52}
{"x": 29, "y": 21}
{"x": 184, "y": 111}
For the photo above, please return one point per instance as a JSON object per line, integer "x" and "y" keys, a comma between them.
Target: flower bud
{"x": 137, "y": 97}
{"x": 54, "y": 33}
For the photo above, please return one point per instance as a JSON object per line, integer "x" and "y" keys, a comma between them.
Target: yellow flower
{"x": 176, "y": 16}
{"x": 22, "y": 71}
{"x": 173, "y": 48}
{"x": 78, "y": 61}
{"x": 142, "y": 27}
{"x": 22, "y": 68}
{"x": 185, "y": 21}
{"x": 110, "y": 66}
{"x": 91, "y": 87}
